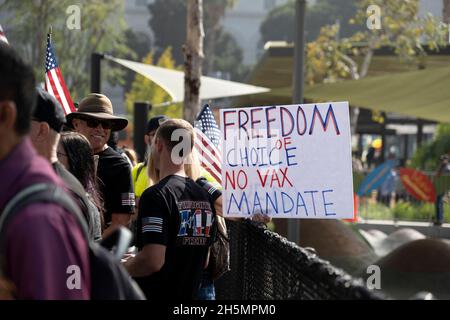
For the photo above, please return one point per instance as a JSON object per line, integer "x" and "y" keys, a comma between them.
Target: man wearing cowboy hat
{"x": 95, "y": 120}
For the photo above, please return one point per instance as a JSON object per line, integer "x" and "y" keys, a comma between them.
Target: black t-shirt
{"x": 115, "y": 183}
{"x": 176, "y": 213}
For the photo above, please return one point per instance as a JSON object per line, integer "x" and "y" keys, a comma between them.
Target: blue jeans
{"x": 206, "y": 291}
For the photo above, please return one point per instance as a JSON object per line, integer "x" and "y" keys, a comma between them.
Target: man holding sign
{"x": 287, "y": 161}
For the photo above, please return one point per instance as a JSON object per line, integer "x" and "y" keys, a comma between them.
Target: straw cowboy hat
{"x": 98, "y": 106}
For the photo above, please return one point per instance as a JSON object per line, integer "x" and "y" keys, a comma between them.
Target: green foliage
{"x": 334, "y": 53}
{"x": 168, "y": 22}
{"x": 143, "y": 89}
{"x": 140, "y": 42}
{"x": 102, "y": 30}
{"x": 404, "y": 211}
{"x": 221, "y": 51}
{"x": 279, "y": 23}
{"x": 227, "y": 57}
{"x": 324, "y": 58}
{"x": 375, "y": 211}
{"x": 427, "y": 155}
{"x": 401, "y": 28}
{"x": 443, "y": 129}
{"x": 414, "y": 212}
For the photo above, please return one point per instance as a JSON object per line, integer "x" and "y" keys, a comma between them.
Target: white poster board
{"x": 287, "y": 161}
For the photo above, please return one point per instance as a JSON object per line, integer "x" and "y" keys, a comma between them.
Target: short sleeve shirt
{"x": 115, "y": 183}
{"x": 176, "y": 213}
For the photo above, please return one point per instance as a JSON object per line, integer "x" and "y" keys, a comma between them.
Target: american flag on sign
{"x": 54, "y": 82}
{"x": 207, "y": 143}
{"x": 3, "y": 36}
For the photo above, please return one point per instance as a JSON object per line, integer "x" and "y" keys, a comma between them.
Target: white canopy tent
{"x": 172, "y": 81}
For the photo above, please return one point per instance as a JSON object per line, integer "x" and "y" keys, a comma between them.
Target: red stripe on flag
{"x": 205, "y": 156}
{"x": 217, "y": 163}
{"x": 53, "y": 83}
{"x": 66, "y": 91}
{"x": 54, "y": 89}
{"x": 212, "y": 173}
{"x": 207, "y": 163}
{"x": 206, "y": 142}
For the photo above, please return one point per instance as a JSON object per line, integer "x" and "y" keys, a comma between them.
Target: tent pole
{"x": 140, "y": 116}
{"x": 96, "y": 59}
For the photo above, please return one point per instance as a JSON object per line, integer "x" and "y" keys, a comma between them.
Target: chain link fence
{"x": 266, "y": 266}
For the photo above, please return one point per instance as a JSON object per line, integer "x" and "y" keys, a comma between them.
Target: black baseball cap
{"x": 49, "y": 110}
{"x": 154, "y": 122}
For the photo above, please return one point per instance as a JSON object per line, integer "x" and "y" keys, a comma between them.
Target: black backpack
{"x": 109, "y": 279}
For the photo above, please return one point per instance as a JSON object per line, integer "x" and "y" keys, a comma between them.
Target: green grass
{"x": 402, "y": 211}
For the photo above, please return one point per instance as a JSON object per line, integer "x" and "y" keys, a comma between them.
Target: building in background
{"x": 243, "y": 21}
{"x": 137, "y": 17}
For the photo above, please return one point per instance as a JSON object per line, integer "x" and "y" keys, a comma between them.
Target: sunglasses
{"x": 93, "y": 123}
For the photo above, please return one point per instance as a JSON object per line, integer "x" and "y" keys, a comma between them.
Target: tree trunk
{"x": 366, "y": 63}
{"x": 446, "y": 11}
{"x": 354, "y": 112}
{"x": 352, "y": 65}
{"x": 193, "y": 58}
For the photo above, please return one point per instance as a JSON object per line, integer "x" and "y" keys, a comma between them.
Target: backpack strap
{"x": 40, "y": 192}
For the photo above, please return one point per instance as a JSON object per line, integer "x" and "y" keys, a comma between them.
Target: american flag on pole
{"x": 3, "y": 36}
{"x": 207, "y": 143}
{"x": 54, "y": 82}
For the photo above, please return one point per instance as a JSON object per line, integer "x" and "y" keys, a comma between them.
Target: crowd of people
{"x": 172, "y": 207}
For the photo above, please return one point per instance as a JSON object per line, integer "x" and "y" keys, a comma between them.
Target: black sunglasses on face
{"x": 93, "y": 123}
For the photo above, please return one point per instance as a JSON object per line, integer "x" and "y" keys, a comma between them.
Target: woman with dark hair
{"x": 75, "y": 153}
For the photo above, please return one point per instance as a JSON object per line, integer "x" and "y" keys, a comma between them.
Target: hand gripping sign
{"x": 289, "y": 161}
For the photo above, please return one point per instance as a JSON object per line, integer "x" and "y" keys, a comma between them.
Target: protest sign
{"x": 287, "y": 161}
